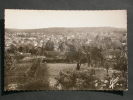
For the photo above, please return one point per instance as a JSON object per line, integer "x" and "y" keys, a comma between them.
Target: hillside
{"x": 68, "y": 30}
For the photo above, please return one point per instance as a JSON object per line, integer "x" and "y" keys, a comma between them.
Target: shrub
{"x": 87, "y": 80}
{"x": 79, "y": 80}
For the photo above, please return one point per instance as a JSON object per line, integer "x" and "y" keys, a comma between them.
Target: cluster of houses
{"x": 61, "y": 42}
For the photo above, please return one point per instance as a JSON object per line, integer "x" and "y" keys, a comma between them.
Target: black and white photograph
{"x": 65, "y": 50}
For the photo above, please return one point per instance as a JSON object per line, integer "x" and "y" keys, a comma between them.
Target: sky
{"x": 34, "y": 19}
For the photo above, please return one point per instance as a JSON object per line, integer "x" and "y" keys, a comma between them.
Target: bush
{"x": 87, "y": 80}
{"x": 77, "y": 80}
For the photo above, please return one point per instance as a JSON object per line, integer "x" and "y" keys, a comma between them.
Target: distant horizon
{"x": 66, "y": 27}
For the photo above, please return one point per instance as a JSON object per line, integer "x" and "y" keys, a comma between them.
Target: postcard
{"x": 65, "y": 50}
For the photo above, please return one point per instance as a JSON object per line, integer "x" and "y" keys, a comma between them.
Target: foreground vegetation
{"x": 66, "y": 61}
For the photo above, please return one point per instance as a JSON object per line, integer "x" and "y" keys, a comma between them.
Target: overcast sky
{"x": 33, "y": 19}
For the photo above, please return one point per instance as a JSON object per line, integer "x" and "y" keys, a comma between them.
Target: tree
{"x": 71, "y": 53}
{"x": 93, "y": 55}
{"x": 74, "y": 52}
{"x": 121, "y": 61}
{"x": 49, "y": 45}
{"x": 61, "y": 46}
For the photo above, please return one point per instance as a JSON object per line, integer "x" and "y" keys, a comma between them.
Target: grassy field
{"x": 54, "y": 69}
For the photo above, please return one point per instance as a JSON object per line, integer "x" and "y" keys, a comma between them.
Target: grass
{"x": 16, "y": 75}
{"x": 54, "y": 69}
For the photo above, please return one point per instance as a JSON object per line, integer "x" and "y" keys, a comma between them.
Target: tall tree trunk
{"x": 78, "y": 65}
